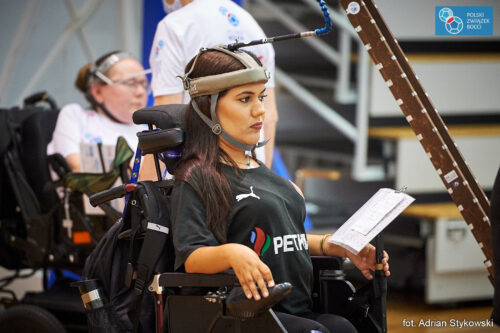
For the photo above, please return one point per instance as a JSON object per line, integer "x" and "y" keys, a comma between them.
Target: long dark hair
{"x": 201, "y": 164}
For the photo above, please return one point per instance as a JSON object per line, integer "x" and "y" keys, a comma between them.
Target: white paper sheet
{"x": 368, "y": 221}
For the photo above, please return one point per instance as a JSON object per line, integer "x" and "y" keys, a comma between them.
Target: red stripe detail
{"x": 130, "y": 187}
{"x": 259, "y": 241}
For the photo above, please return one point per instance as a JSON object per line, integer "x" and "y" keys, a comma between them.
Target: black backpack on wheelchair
{"x": 133, "y": 249}
{"x": 135, "y": 255}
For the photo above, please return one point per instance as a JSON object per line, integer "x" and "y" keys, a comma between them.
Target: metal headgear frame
{"x": 252, "y": 73}
{"x": 212, "y": 84}
{"x": 317, "y": 32}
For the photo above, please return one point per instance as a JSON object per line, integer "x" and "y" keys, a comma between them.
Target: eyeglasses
{"x": 130, "y": 82}
{"x": 133, "y": 84}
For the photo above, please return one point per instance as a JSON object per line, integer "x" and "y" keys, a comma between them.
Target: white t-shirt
{"x": 202, "y": 23}
{"x": 76, "y": 125}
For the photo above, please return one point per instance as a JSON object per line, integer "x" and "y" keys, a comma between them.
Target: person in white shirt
{"x": 115, "y": 86}
{"x": 193, "y": 24}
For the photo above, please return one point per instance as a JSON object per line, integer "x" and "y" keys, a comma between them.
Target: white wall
{"x": 455, "y": 87}
{"x": 414, "y": 170}
{"x": 110, "y": 28}
{"x": 414, "y": 20}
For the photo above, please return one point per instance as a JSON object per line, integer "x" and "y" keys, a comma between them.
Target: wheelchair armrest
{"x": 172, "y": 280}
{"x": 326, "y": 263}
{"x": 110, "y": 194}
{"x": 59, "y": 164}
{"x": 236, "y": 303}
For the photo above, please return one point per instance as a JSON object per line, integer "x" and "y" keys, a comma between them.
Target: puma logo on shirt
{"x": 240, "y": 197}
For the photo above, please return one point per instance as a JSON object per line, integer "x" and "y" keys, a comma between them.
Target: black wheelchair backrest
{"x": 36, "y": 133}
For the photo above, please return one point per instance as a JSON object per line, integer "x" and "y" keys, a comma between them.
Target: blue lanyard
{"x": 135, "y": 174}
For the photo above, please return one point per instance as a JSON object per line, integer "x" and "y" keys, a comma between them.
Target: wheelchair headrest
{"x": 162, "y": 116}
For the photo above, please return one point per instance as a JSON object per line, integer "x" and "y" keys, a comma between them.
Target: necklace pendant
{"x": 248, "y": 163}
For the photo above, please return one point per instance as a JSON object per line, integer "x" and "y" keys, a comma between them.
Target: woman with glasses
{"x": 115, "y": 86}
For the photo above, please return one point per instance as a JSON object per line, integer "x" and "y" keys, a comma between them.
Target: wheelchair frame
{"x": 32, "y": 212}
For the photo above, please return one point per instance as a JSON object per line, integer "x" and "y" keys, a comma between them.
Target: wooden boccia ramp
{"x": 424, "y": 120}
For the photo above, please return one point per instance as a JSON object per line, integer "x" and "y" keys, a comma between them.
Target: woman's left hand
{"x": 366, "y": 260}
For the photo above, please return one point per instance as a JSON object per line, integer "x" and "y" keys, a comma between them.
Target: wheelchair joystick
{"x": 238, "y": 305}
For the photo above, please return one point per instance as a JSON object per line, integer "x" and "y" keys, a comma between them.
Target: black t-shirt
{"x": 267, "y": 215}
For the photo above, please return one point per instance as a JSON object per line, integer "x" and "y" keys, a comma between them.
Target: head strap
{"x": 112, "y": 59}
{"x": 212, "y": 84}
{"x": 217, "y": 129}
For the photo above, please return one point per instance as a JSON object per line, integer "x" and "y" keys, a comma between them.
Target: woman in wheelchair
{"x": 115, "y": 86}
{"x": 230, "y": 211}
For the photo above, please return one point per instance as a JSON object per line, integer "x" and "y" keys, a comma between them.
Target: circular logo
{"x": 353, "y": 8}
{"x": 453, "y": 24}
{"x": 159, "y": 47}
{"x": 232, "y": 19}
{"x": 445, "y": 14}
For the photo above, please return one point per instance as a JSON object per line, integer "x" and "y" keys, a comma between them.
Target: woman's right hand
{"x": 250, "y": 271}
